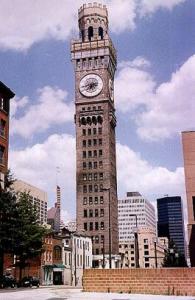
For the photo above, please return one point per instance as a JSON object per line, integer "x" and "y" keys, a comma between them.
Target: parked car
{"x": 30, "y": 281}
{"x": 7, "y": 281}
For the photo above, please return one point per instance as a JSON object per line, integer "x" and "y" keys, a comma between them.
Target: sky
{"x": 154, "y": 93}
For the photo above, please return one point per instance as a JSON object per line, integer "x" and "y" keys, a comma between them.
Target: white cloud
{"x": 24, "y": 23}
{"x": 171, "y": 109}
{"x": 140, "y": 175}
{"x": 37, "y": 165}
{"x": 17, "y": 103}
{"x": 150, "y": 6}
{"x": 133, "y": 85}
{"x": 159, "y": 111}
{"x": 49, "y": 109}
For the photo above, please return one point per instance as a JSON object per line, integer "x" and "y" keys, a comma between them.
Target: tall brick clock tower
{"x": 94, "y": 59}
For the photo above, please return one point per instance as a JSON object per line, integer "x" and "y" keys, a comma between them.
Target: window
{"x": 146, "y": 258}
{"x": 84, "y": 131}
{"x": 89, "y": 154}
{"x": 145, "y": 241}
{"x": 101, "y": 212}
{"x": 101, "y": 33}
{"x": 95, "y": 153}
{"x": 100, "y": 164}
{"x": 95, "y": 176}
{"x": 96, "y": 239}
{"x": 91, "y": 213}
{"x": 90, "y": 165}
{"x": 101, "y": 176}
{"x": 145, "y": 246}
{"x": 91, "y": 226}
{"x": 99, "y": 107}
{"x": 95, "y": 164}
{"x": 96, "y": 225}
{"x": 100, "y": 130}
{"x": 97, "y": 251}
{"x": 193, "y": 202}
{"x": 90, "y": 32}
{"x": 101, "y": 187}
{"x": 89, "y": 143}
{"x": 95, "y": 188}
{"x": 102, "y": 225}
{"x": 84, "y": 154}
{"x": 146, "y": 252}
{"x": 90, "y": 188}
{"x": 83, "y": 108}
{"x": 89, "y": 131}
{"x": 100, "y": 152}
{"x": 100, "y": 142}
{"x": 147, "y": 265}
{"x": 84, "y": 189}
{"x": 84, "y": 200}
{"x": 84, "y": 165}
{"x": 57, "y": 252}
{"x": 101, "y": 200}
{"x": 90, "y": 177}
{"x": 84, "y": 143}
{"x": 96, "y": 212}
{"x": 90, "y": 200}
{"x": 94, "y": 131}
{"x": 85, "y": 213}
{"x": 84, "y": 177}
{"x": 2, "y": 151}
{"x": 94, "y": 142}
{"x": 2, "y": 128}
{"x": 96, "y": 200}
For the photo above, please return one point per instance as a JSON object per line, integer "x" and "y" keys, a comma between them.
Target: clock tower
{"x": 94, "y": 59}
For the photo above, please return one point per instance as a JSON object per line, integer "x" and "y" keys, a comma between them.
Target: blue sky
{"x": 154, "y": 92}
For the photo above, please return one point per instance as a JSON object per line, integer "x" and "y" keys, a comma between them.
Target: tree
{"x": 173, "y": 258}
{"x": 8, "y": 220}
{"x": 30, "y": 233}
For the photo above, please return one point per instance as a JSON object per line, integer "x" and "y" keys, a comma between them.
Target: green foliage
{"x": 20, "y": 232}
{"x": 173, "y": 258}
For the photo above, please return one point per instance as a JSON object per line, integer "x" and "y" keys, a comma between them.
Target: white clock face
{"x": 91, "y": 85}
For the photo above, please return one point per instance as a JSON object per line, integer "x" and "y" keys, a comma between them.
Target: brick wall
{"x": 172, "y": 281}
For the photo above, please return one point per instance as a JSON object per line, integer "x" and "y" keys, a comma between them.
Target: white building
{"x": 71, "y": 225}
{"x": 76, "y": 255}
{"x": 37, "y": 197}
{"x": 151, "y": 250}
{"x": 134, "y": 208}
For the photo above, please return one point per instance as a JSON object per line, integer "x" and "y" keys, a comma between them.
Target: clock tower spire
{"x": 94, "y": 59}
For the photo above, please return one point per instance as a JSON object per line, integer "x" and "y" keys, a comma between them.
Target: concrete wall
{"x": 172, "y": 281}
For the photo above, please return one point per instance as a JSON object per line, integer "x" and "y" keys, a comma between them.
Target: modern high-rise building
{"x": 37, "y": 197}
{"x": 94, "y": 59}
{"x": 5, "y": 95}
{"x": 170, "y": 221}
{"x": 131, "y": 210}
{"x": 188, "y": 141}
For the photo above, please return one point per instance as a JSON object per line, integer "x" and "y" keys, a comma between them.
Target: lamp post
{"x": 109, "y": 227}
{"x": 155, "y": 255}
{"x": 136, "y": 243}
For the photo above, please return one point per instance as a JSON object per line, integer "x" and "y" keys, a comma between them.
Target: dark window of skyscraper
{"x": 193, "y": 203}
{"x": 85, "y": 226}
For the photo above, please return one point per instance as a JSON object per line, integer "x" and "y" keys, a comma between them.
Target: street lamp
{"x": 155, "y": 255}
{"x": 109, "y": 227}
{"x": 136, "y": 243}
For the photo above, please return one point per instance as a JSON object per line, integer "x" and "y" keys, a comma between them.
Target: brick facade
{"x": 167, "y": 281}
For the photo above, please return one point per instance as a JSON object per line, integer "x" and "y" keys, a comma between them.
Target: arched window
{"x": 57, "y": 252}
{"x": 101, "y": 32}
{"x": 90, "y": 32}
{"x": 89, "y": 120}
{"x": 83, "y": 121}
{"x": 99, "y": 119}
{"x": 94, "y": 120}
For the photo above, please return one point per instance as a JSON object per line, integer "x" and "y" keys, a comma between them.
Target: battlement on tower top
{"x": 93, "y": 9}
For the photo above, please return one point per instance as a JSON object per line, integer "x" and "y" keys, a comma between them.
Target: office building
{"x": 37, "y": 196}
{"x": 5, "y": 95}
{"x": 170, "y": 221}
{"x": 134, "y": 208}
{"x": 151, "y": 250}
{"x": 94, "y": 59}
{"x": 188, "y": 141}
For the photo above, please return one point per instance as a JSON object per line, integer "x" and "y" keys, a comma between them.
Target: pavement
{"x": 66, "y": 293}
